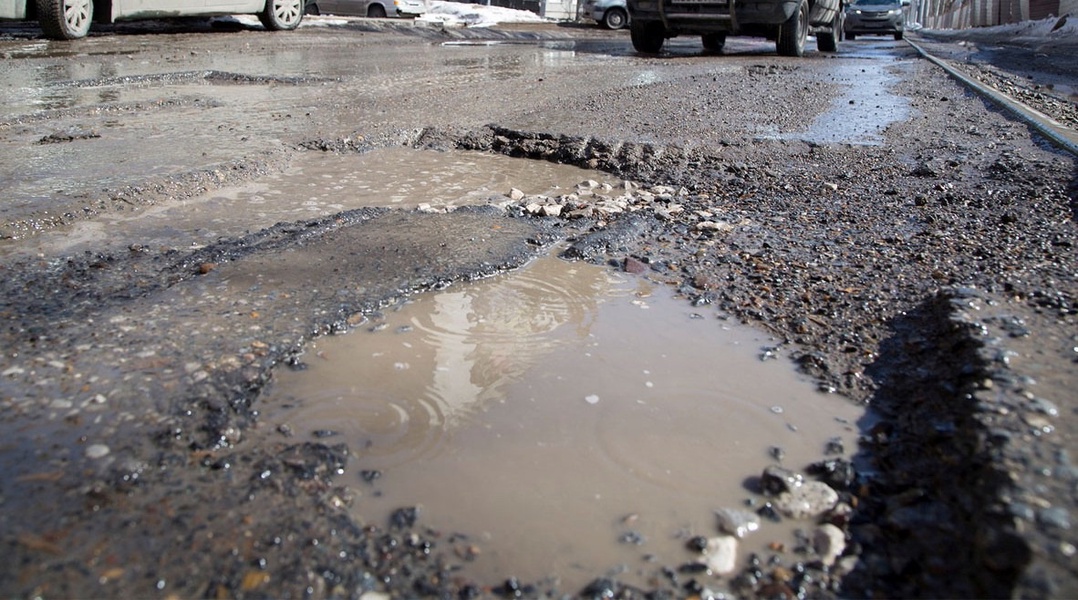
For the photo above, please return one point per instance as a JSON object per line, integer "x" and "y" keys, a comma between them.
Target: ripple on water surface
{"x": 536, "y": 410}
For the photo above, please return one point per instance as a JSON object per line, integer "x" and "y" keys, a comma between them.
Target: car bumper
{"x": 870, "y": 23}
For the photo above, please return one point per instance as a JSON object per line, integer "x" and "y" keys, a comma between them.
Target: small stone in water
{"x": 777, "y": 410}
{"x": 720, "y": 556}
{"x": 810, "y": 499}
{"x": 737, "y": 523}
{"x": 591, "y": 399}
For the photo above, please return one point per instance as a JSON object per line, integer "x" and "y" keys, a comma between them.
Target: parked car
{"x": 876, "y": 17}
{"x": 787, "y": 22}
{"x": 71, "y": 19}
{"x": 378, "y": 9}
{"x": 612, "y": 14}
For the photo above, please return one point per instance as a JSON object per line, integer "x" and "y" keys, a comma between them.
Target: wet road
{"x": 844, "y": 196}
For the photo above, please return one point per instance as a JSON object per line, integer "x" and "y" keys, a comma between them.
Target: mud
{"x": 931, "y": 276}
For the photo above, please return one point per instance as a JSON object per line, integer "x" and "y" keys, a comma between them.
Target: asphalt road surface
{"x": 910, "y": 243}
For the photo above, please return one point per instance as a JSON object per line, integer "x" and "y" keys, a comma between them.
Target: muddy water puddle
{"x": 863, "y": 112}
{"x": 568, "y": 420}
{"x": 316, "y": 185}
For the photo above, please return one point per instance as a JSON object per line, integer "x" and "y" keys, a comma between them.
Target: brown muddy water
{"x": 569, "y": 420}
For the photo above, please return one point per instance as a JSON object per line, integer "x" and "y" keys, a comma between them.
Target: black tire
{"x": 851, "y": 36}
{"x": 827, "y": 41}
{"x": 615, "y": 18}
{"x": 794, "y": 32}
{"x": 281, "y": 15}
{"x": 311, "y": 8}
{"x": 65, "y": 19}
{"x": 376, "y": 11}
{"x": 647, "y": 36}
{"x": 713, "y": 42}
{"x": 898, "y": 36}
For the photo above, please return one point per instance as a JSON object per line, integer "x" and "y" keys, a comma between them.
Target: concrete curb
{"x": 1063, "y": 137}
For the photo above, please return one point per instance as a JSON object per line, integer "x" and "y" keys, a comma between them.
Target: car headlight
{"x": 854, "y": 11}
{"x": 895, "y": 11}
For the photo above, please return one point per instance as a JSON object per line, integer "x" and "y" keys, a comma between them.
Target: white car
{"x": 71, "y": 19}
{"x": 378, "y": 9}
{"x": 612, "y": 14}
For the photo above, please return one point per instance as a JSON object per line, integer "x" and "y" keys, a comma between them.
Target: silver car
{"x": 876, "y": 17}
{"x": 611, "y": 14}
{"x": 368, "y": 8}
{"x": 71, "y": 19}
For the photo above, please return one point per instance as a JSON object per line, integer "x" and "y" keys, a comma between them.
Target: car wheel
{"x": 851, "y": 36}
{"x": 647, "y": 36}
{"x": 794, "y": 32}
{"x": 827, "y": 41}
{"x": 376, "y": 11}
{"x": 713, "y": 42}
{"x": 281, "y": 15}
{"x": 311, "y": 8}
{"x": 898, "y": 35}
{"x": 65, "y": 19}
{"x": 615, "y": 18}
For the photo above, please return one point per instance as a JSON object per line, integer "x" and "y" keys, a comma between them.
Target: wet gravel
{"x": 931, "y": 276}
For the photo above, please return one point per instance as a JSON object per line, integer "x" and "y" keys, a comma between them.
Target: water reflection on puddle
{"x": 536, "y": 411}
{"x": 861, "y": 115}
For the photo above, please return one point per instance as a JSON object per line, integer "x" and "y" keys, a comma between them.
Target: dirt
{"x": 930, "y": 275}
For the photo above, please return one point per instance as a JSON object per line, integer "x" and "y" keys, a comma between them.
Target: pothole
{"x": 563, "y": 421}
{"x": 317, "y": 185}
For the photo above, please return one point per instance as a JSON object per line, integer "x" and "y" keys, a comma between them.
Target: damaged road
{"x": 912, "y": 246}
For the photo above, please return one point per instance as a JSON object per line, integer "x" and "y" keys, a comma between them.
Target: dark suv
{"x": 788, "y": 22}
{"x": 876, "y": 17}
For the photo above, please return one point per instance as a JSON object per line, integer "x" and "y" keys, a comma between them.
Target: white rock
{"x": 829, "y": 542}
{"x": 713, "y": 226}
{"x": 810, "y": 499}
{"x": 516, "y": 194}
{"x": 552, "y": 210}
{"x": 97, "y": 451}
{"x": 720, "y": 555}
{"x": 737, "y": 523}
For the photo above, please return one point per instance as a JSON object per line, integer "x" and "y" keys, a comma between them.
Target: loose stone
{"x": 737, "y": 523}
{"x": 810, "y": 499}
{"x": 829, "y": 542}
{"x": 720, "y": 556}
{"x": 95, "y": 451}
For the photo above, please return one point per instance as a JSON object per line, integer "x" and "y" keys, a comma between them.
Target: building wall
{"x": 959, "y": 14}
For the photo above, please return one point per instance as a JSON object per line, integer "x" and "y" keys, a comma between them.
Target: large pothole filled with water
{"x": 563, "y": 421}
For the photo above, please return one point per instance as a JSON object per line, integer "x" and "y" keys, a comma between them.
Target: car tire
{"x": 827, "y": 41}
{"x": 713, "y": 42}
{"x": 851, "y": 36}
{"x": 65, "y": 19}
{"x": 311, "y": 8}
{"x": 794, "y": 32}
{"x": 647, "y": 36}
{"x": 615, "y": 18}
{"x": 376, "y": 11}
{"x": 898, "y": 36}
{"x": 281, "y": 15}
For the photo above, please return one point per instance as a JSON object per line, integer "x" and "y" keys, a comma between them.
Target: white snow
{"x": 1041, "y": 28}
{"x": 475, "y": 15}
